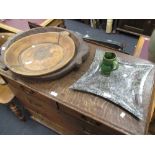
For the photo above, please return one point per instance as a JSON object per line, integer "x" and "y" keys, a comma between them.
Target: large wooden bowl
{"x": 40, "y": 53}
{"x": 73, "y": 59}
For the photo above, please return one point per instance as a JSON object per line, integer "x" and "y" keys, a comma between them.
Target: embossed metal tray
{"x": 124, "y": 87}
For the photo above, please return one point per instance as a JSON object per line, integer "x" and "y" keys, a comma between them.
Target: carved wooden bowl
{"x": 43, "y": 53}
{"x": 40, "y": 54}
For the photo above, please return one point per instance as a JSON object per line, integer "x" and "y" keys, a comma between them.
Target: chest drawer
{"x": 31, "y": 98}
{"x": 89, "y": 123}
{"x": 57, "y": 116}
{"x": 65, "y": 124}
{"x": 44, "y": 108}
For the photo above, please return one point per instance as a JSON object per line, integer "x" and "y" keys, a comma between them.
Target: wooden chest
{"x": 65, "y": 111}
{"x": 54, "y": 115}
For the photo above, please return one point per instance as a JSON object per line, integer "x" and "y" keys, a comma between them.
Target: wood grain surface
{"x": 94, "y": 107}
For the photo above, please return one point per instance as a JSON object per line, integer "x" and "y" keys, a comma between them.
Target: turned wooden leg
{"x": 17, "y": 111}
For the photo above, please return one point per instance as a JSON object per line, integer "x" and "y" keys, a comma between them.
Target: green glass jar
{"x": 109, "y": 63}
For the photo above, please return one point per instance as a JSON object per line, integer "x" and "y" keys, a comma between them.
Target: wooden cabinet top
{"x": 90, "y": 105}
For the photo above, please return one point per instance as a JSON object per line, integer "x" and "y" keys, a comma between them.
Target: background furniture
{"x": 70, "y": 112}
{"x": 131, "y": 26}
{"x": 17, "y": 25}
{"x": 135, "y": 26}
{"x": 6, "y": 95}
{"x": 141, "y": 49}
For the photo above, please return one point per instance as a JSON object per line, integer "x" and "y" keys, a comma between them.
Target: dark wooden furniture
{"x": 141, "y": 50}
{"x": 53, "y": 104}
{"x": 6, "y": 95}
{"x": 18, "y": 25}
{"x": 136, "y": 26}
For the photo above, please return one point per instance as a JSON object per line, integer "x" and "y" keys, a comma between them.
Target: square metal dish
{"x": 123, "y": 87}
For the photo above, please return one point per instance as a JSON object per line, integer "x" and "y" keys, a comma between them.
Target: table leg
{"x": 13, "y": 107}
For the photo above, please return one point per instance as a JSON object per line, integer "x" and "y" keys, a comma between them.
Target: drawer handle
{"x": 37, "y": 104}
{"x": 85, "y": 119}
{"x": 31, "y": 102}
{"x": 29, "y": 92}
{"x": 86, "y": 131}
{"x": 57, "y": 105}
{"x": 89, "y": 121}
